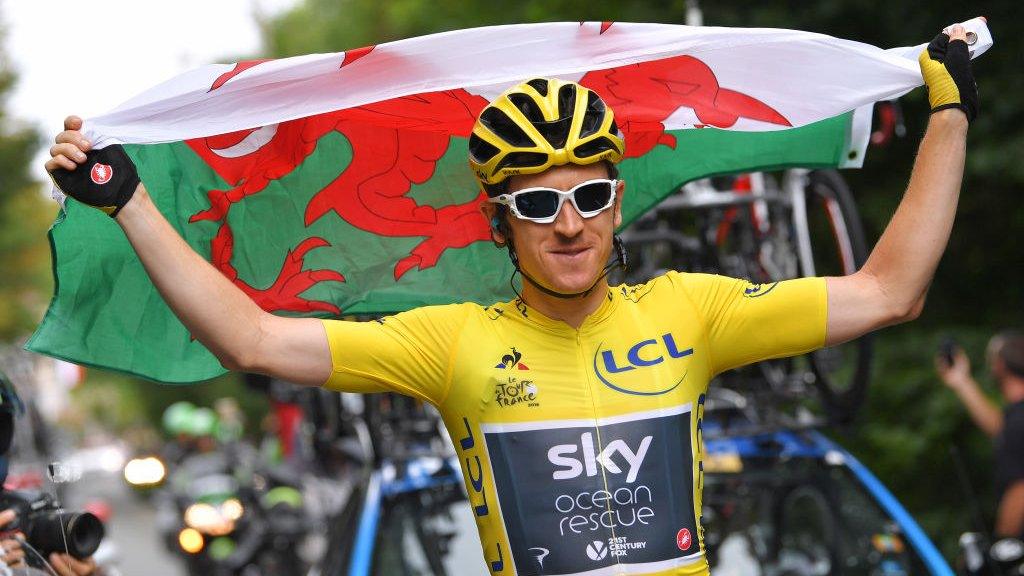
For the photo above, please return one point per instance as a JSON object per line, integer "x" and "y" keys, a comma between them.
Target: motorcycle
{"x": 225, "y": 516}
{"x": 144, "y": 474}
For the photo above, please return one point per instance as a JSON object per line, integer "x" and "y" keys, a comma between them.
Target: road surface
{"x": 131, "y": 528}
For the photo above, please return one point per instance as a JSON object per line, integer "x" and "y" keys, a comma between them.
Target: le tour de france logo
{"x": 609, "y": 364}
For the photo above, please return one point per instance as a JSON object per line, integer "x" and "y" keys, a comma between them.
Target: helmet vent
{"x": 566, "y": 100}
{"x": 557, "y": 132}
{"x": 527, "y": 107}
{"x": 481, "y": 149}
{"x": 522, "y": 160}
{"x": 540, "y": 85}
{"x": 593, "y": 115}
{"x": 594, "y": 147}
{"x": 501, "y": 125}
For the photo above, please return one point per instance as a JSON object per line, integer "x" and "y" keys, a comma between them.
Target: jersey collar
{"x": 608, "y": 305}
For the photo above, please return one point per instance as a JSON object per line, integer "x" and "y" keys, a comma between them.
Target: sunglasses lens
{"x": 537, "y": 203}
{"x": 594, "y": 196}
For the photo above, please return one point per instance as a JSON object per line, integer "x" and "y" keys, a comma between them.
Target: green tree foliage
{"x": 125, "y": 404}
{"x": 911, "y": 421}
{"x": 24, "y": 218}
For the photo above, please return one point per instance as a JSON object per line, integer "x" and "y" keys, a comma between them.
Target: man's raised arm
{"x": 238, "y": 332}
{"x": 892, "y": 285}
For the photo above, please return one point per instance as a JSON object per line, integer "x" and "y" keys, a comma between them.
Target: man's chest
{"x": 516, "y": 376}
{"x": 583, "y": 447}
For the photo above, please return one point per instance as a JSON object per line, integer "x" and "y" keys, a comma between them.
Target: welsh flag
{"x": 338, "y": 184}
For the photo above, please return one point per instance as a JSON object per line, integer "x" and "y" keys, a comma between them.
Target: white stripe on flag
{"x": 805, "y": 76}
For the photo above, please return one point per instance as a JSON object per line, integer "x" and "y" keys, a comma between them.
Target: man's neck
{"x": 572, "y": 311}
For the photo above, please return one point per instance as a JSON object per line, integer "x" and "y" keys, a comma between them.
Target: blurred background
{"x": 910, "y": 422}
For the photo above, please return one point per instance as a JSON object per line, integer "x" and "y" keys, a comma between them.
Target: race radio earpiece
{"x": 620, "y": 250}
{"x": 496, "y": 224}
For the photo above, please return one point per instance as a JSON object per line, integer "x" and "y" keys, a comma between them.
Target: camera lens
{"x": 85, "y": 531}
{"x": 79, "y": 533}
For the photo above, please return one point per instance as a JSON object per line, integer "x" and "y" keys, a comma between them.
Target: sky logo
{"x": 593, "y": 462}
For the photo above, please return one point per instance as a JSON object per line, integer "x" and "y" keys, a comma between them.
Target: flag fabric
{"x": 338, "y": 184}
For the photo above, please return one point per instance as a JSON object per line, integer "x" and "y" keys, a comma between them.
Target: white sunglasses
{"x": 542, "y": 205}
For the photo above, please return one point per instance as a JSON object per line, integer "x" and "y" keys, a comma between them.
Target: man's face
{"x": 569, "y": 253}
{"x": 995, "y": 364}
{"x": 997, "y": 367}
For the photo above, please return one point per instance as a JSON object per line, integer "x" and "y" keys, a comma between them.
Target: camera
{"x": 48, "y": 528}
{"x": 947, "y": 350}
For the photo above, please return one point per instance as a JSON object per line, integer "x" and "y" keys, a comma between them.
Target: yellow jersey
{"x": 581, "y": 448}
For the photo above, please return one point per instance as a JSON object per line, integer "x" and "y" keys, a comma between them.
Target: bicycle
{"x": 407, "y": 512}
{"x": 766, "y": 229}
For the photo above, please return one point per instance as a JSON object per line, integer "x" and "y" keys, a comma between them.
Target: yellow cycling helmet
{"x": 541, "y": 123}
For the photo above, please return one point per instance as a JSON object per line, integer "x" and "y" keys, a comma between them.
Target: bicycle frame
{"x": 792, "y": 194}
{"x": 794, "y": 181}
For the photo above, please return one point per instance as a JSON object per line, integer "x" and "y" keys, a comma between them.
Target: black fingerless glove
{"x": 106, "y": 180}
{"x": 946, "y": 67}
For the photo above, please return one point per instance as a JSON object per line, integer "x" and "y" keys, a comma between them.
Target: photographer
{"x": 50, "y": 529}
{"x": 1005, "y": 356}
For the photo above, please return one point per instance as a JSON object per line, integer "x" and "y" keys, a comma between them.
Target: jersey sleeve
{"x": 748, "y": 323}
{"x": 408, "y": 353}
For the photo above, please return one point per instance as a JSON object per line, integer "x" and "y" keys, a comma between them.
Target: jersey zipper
{"x": 595, "y": 414}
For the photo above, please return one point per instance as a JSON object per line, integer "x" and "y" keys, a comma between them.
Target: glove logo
{"x": 101, "y": 173}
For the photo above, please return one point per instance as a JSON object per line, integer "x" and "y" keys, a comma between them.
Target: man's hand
{"x": 957, "y": 377}
{"x": 946, "y": 68}
{"x": 957, "y": 374}
{"x": 107, "y": 178}
{"x": 11, "y": 554}
{"x": 67, "y": 565}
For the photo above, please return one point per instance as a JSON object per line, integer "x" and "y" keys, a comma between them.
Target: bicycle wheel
{"x": 842, "y": 372}
{"x": 807, "y": 532}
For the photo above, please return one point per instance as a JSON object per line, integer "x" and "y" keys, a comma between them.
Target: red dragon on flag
{"x": 397, "y": 143}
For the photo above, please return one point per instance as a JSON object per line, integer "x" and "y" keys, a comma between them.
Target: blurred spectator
{"x": 230, "y": 420}
{"x": 1005, "y": 356}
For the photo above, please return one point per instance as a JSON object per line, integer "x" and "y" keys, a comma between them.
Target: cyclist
{"x": 575, "y": 408}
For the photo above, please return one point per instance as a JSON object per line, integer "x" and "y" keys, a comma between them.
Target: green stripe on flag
{"x": 709, "y": 152}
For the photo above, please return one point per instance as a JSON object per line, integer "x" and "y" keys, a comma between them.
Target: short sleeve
{"x": 748, "y": 322}
{"x": 408, "y": 353}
